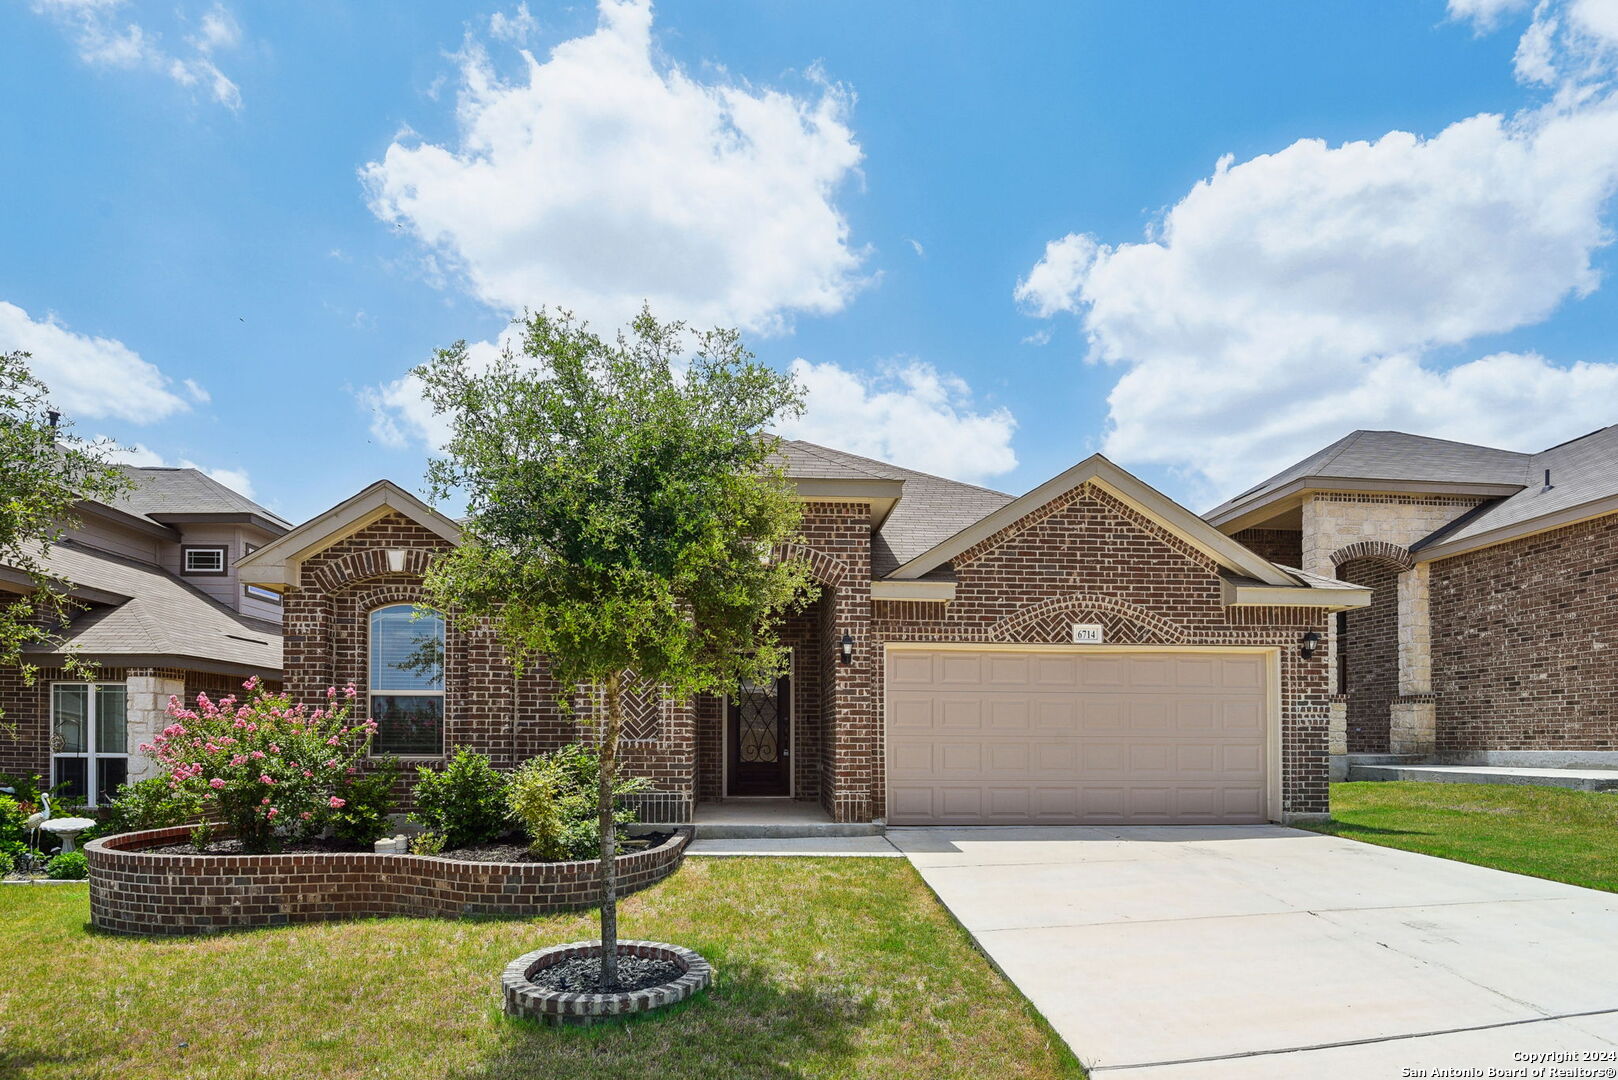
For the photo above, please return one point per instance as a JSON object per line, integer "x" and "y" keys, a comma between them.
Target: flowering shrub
{"x": 265, "y": 767}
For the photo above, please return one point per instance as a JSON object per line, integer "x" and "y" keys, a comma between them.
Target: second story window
{"x": 203, "y": 560}
{"x": 407, "y": 680}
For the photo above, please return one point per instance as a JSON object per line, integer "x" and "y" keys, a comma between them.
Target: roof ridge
{"x": 816, "y": 450}
{"x": 899, "y": 468}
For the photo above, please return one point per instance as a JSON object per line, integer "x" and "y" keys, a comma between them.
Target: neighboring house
{"x": 162, "y": 611}
{"x": 1088, "y": 652}
{"x": 1491, "y": 637}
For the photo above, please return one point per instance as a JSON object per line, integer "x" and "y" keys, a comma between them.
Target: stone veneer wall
{"x": 139, "y": 892}
{"x": 1088, "y": 557}
{"x": 1525, "y": 642}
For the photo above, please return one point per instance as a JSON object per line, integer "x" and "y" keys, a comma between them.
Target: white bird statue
{"x": 36, "y": 820}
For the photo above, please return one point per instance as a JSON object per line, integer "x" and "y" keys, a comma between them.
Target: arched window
{"x": 407, "y": 680}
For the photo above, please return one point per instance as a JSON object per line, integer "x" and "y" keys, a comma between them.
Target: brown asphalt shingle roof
{"x": 1394, "y": 455}
{"x": 1582, "y": 470}
{"x": 164, "y": 616}
{"x": 932, "y": 509}
{"x": 162, "y": 491}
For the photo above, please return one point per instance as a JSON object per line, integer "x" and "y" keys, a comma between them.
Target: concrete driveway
{"x": 1259, "y": 951}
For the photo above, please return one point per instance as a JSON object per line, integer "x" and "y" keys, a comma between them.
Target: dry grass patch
{"x": 827, "y": 968}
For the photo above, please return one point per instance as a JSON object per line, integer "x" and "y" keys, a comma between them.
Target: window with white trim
{"x": 203, "y": 560}
{"x": 89, "y": 740}
{"x": 407, "y": 680}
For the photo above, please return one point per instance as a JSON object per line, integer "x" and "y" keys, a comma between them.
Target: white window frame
{"x": 222, "y": 550}
{"x": 92, "y": 752}
{"x": 443, "y": 679}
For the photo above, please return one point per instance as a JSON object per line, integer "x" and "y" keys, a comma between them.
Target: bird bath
{"x": 66, "y": 828}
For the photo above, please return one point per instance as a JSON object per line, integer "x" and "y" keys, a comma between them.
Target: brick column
{"x": 147, "y": 693}
{"x": 1337, "y": 735}
{"x": 1413, "y": 727}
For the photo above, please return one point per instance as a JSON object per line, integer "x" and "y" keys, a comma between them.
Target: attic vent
{"x": 1548, "y": 484}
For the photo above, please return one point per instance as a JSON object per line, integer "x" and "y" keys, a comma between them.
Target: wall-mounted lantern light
{"x": 1311, "y": 641}
{"x": 845, "y": 649}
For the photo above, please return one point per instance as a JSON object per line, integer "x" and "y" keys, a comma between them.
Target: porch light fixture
{"x": 1311, "y": 641}
{"x": 845, "y": 649}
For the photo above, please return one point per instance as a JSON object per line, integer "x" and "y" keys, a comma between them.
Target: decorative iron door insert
{"x": 759, "y": 735}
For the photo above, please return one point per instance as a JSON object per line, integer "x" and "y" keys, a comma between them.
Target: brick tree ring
{"x": 524, "y": 998}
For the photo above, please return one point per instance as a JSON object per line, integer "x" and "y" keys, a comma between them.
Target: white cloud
{"x": 1290, "y": 298}
{"x": 1486, "y": 14}
{"x": 516, "y": 28}
{"x": 910, "y": 414}
{"x": 89, "y": 377}
{"x": 400, "y": 414}
{"x": 104, "y": 39}
{"x": 138, "y": 454}
{"x": 606, "y": 176}
{"x": 915, "y": 245}
{"x": 198, "y": 392}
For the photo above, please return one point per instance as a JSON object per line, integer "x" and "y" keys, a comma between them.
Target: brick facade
{"x": 1525, "y": 642}
{"x": 1372, "y": 654}
{"x": 1088, "y": 557}
{"x": 133, "y": 891}
{"x": 1085, "y": 556}
{"x": 1284, "y": 546}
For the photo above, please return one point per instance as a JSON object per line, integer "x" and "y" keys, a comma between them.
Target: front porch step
{"x": 1580, "y": 779}
{"x": 767, "y": 819}
{"x": 1386, "y": 759}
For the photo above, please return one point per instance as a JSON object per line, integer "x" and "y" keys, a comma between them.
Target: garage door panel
{"x": 1066, "y": 738}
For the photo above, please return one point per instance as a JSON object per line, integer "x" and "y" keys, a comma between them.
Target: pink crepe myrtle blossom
{"x": 228, "y": 751}
{"x": 336, "y": 803}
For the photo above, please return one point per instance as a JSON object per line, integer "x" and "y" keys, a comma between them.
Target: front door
{"x": 758, "y": 719}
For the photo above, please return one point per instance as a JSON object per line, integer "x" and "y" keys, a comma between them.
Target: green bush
{"x": 7, "y": 863}
{"x": 148, "y": 804}
{"x": 13, "y": 837}
{"x": 465, "y": 802}
{"x": 554, "y": 797}
{"x": 68, "y": 866}
{"x": 367, "y": 801}
{"x": 427, "y": 843}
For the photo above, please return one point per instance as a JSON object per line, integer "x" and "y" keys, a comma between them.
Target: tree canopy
{"x": 47, "y": 473}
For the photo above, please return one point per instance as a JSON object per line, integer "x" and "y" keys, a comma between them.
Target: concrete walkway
{"x": 869, "y": 847}
{"x": 1200, "y": 953}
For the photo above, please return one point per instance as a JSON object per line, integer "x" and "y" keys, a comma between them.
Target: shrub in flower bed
{"x": 269, "y": 770}
{"x": 149, "y": 804}
{"x": 68, "y": 866}
{"x": 553, "y": 796}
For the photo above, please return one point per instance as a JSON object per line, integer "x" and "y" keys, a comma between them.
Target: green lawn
{"x": 1541, "y": 831}
{"x": 826, "y": 968}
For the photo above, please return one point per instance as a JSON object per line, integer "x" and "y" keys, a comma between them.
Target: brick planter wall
{"x": 133, "y": 891}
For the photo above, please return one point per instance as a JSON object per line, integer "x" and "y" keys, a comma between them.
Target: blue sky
{"x": 992, "y": 239}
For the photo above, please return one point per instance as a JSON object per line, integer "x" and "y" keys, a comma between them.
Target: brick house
{"x": 1491, "y": 638}
{"x": 161, "y": 611}
{"x": 1087, "y": 652}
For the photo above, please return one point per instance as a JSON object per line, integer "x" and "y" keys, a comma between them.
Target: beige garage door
{"x": 1056, "y": 738}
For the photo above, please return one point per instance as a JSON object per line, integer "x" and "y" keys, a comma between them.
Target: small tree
{"x": 622, "y": 515}
{"x": 47, "y": 472}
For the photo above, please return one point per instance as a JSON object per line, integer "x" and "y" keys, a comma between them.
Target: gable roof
{"x": 1133, "y": 491}
{"x": 930, "y": 510}
{"x": 151, "y": 615}
{"x": 1385, "y": 460}
{"x": 1583, "y": 484}
{"x": 276, "y": 564}
{"x": 165, "y": 495}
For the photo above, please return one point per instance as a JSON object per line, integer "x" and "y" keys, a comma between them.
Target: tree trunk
{"x": 609, "y": 838}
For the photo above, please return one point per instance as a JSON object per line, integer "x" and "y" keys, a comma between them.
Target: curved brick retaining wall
{"x": 137, "y": 892}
